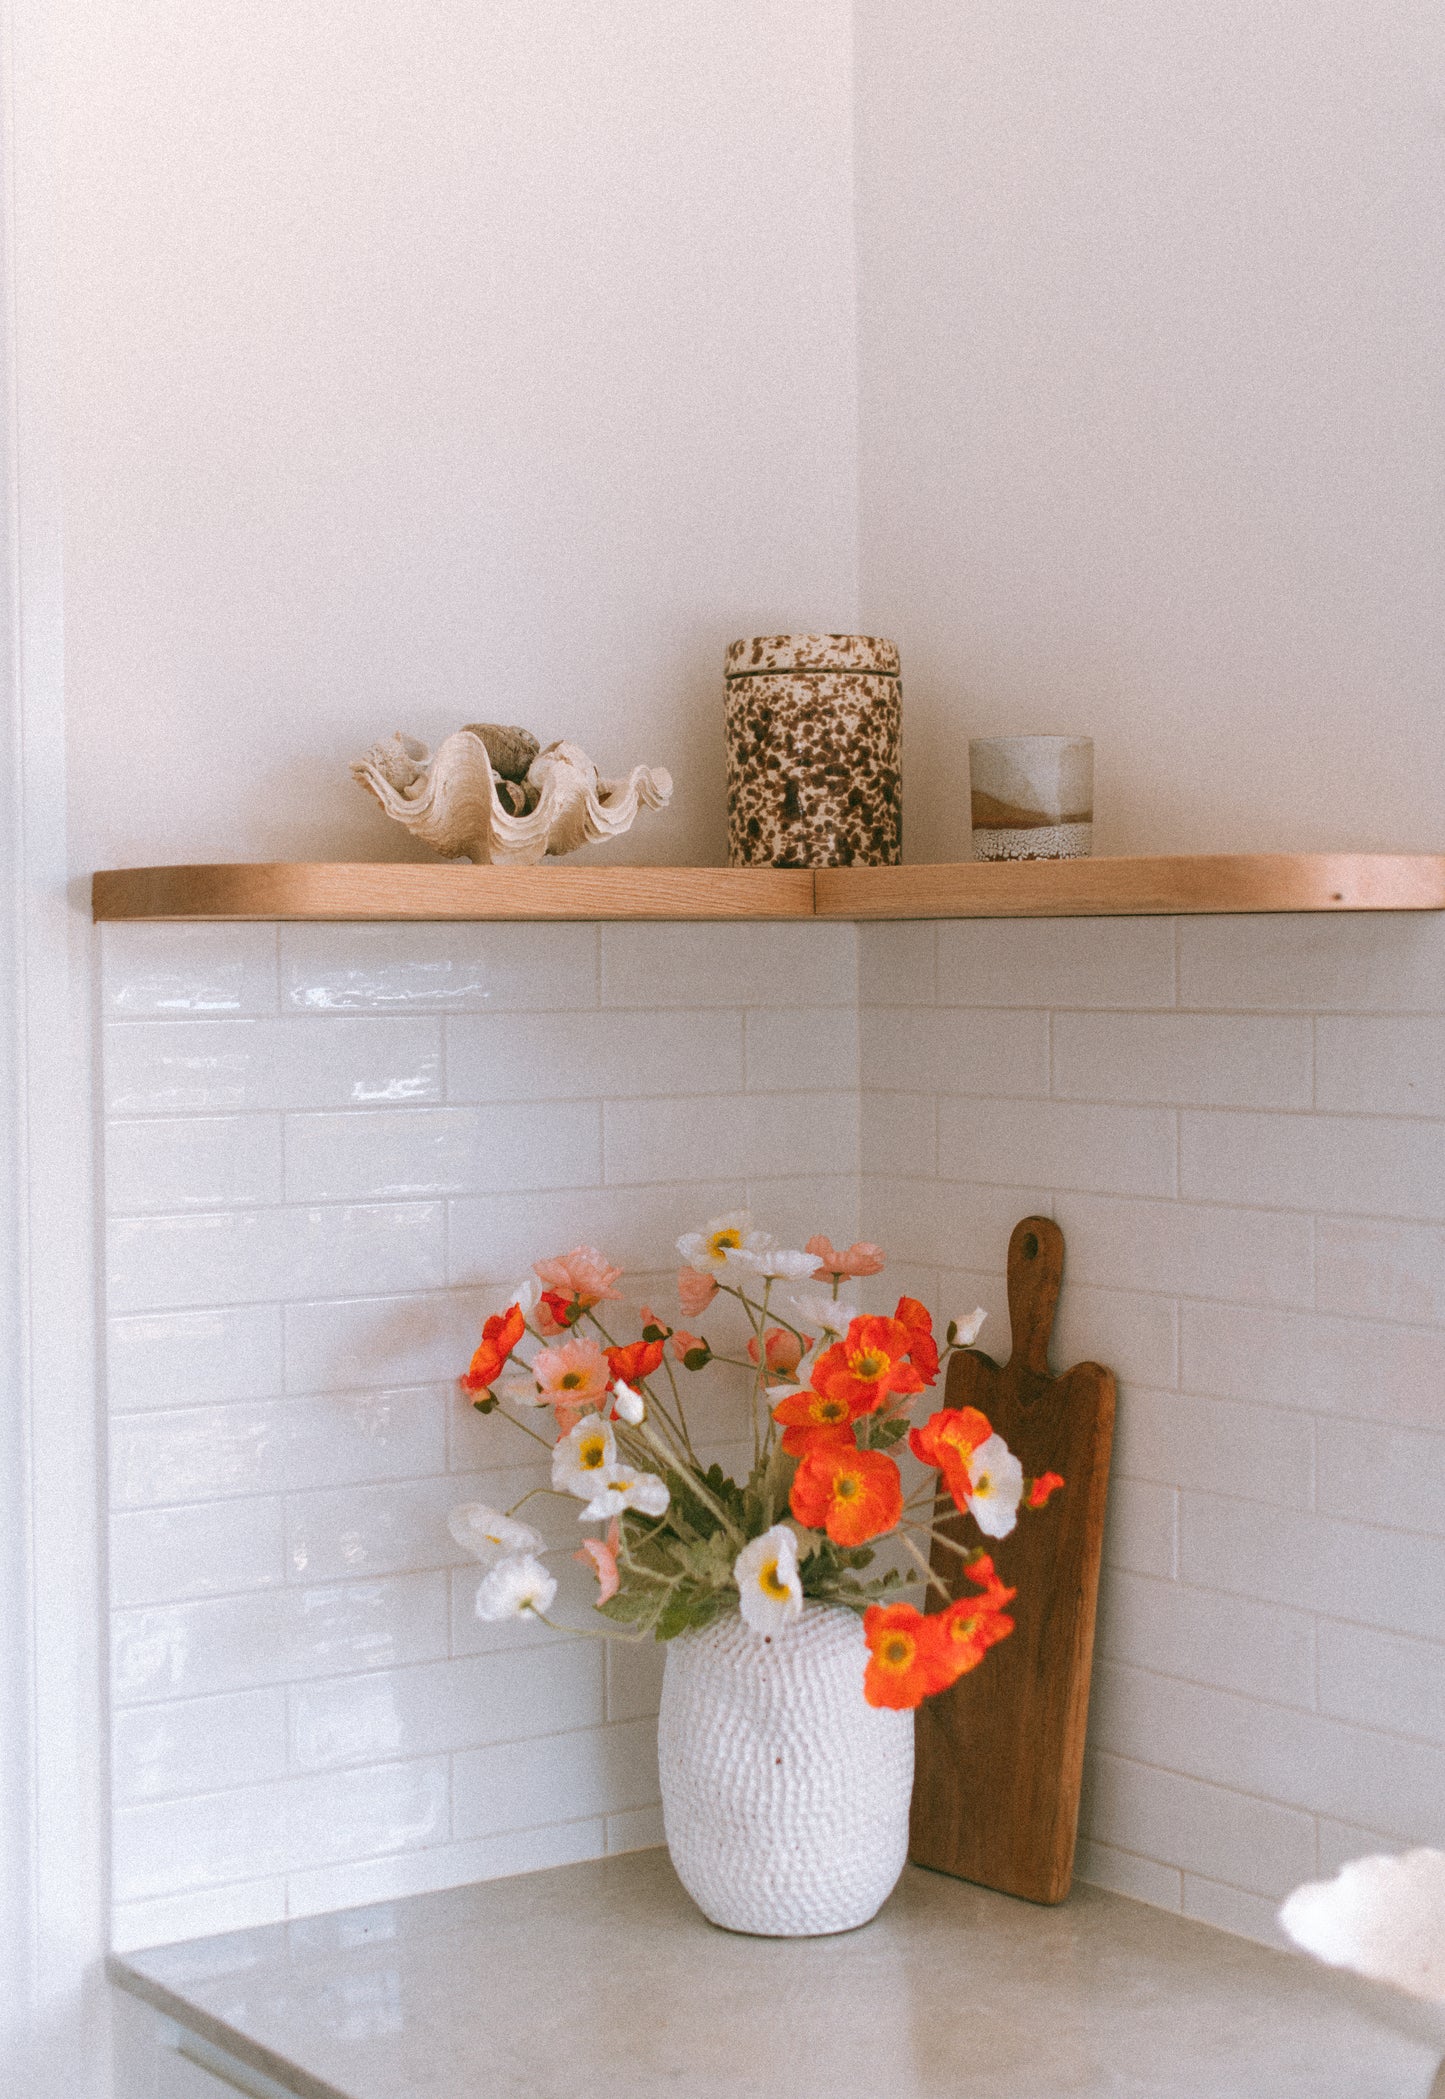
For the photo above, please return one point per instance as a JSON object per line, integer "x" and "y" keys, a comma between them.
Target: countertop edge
{"x": 280, "y": 2069}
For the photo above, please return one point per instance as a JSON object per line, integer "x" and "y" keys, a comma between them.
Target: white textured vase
{"x": 784, "y": 1793}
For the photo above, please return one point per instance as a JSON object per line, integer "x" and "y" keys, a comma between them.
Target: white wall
{"x": 1151, "y": 446}
{"x": 440, "y": 361}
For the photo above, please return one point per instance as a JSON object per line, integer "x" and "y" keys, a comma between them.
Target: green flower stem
{"x": 935, "y": 1580}
{"x": 525, "y": 1430}
{"x": 695, "y": 1485}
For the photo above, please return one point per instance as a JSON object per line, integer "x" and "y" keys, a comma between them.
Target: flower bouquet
{"x": 767, "y": 1577}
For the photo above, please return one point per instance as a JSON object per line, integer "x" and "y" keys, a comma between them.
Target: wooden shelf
{"x": 1191, "y": 883}
{"x": 403, "y": 890}
{"x": 1137, "y": 888}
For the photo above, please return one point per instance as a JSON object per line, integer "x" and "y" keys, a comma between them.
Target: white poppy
{"x": 962, "y": 1333}
{"x": 488, "y": 1533}
{"x": 527, "y": 1295}
{"x": 708, "y": 1251}
{"x": 773, "y": 1261}
{"x": 584, "y": 1457}
{"x": 628, "y": 1405}
{"x": 996, "y": 1485}
{"x": 829, "y": 1315}
{"x": 621, "y": 1488}
{"x": 517, "y": 1587}
{"x": 766, "y": 1572}
{"x": 517, "y": 1387}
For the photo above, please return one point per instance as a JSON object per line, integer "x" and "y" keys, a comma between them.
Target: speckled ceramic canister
{"x": 1032, "y": 796}
{"x": 784, "y": 1793}
{"x": 814, "y": 749}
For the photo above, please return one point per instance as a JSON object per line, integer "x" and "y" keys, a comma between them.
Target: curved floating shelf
{"x": 1121, "y": 888}
{"x": 1135, "y": 888}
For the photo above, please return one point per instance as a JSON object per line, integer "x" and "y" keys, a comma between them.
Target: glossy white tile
{"x": 442, "y": 1151}
{"x": 167, "y": 1555}
{"x": 1391, "y": 1579}
{"x": 598, "y": 1770}
{"x": 1327, "y": 962}
{"x": 1385, "y": 1165}
{"x": 592, "y": 1056}
{"x": 1380, "y": 1064}
{"x": 326, "y": 1888}
{"x": 1184, "y": 1059}
{"x": 1257, "y": 1452}
{"x": 198, "y": 1745}
{"x": 1141, "y": 1527}
{"x": 762, "y": 1133}
{"x": 1393, "y": 1477}
{"x": 728, "y": 965}
{"x": 1331, "y": 1366}
{"x": 1201, "y": 1828}
{"x": 158, "y": 971}
{"x": 177, "y": 1359}
{"x": 277, "y": 1636}
{"x": 1382, "y": 1680}
{"x": 1380, "y": 1270}
{"x": 1237, "y": 1643}
{"x": 441, "y": 1706}
{"x": 789, "y": 1047}
{"x": 1058, "y": 1144}
{"x": 224, "y": 1257}
{"x": 897, "y": 963}
{"x": 1189, "y": 1249}
{"x": 1056, "y": 962}
{"x": 203, "y": 1162}
{"x": 953, "y": 1050}
{"x": 438, "y": 968}
{"x": 365, "y": 1342}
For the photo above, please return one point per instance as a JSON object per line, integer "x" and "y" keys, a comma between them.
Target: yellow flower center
{"x": 896, "y": 1651}
{"x": 723, "y": 1241}
{"x": 771, "y": 1582}
{"x": 571, "y": 1379}
{"x": 983, "y": 1484}
{"x": 847, "y": 1486}
{"x": 869, "y": 1363}
{"x": 592, "y": 1454}
{"x": 830, "y": 1410}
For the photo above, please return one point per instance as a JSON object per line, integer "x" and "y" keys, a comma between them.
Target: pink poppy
{"x": 695, "y": 1292}
{"x": 573, "y": 1377}
{"x": 785, "y": 1352}
{"x": 584, "y": 1274}
{"x": 602, "y": 1558}
{"x": 861, "y": 1258}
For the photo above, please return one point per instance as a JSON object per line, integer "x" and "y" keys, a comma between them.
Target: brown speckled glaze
{"x": 814, "y": 748}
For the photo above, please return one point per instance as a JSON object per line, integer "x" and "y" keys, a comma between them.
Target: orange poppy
{"x": 948, "y": 1439}
{"x": 1039, "y": 1490}
{"x": 907, "y": 1661}
{"x": 853, "y": 1495}
{"x": 635, "y": 1360}
{"x": 867, "y": 1365}
{"x": 973, "y": 1624}
{"x": 811, "y": 1417}
{"x": 500, "y": 1336}
{"x": 922, "y": 1348}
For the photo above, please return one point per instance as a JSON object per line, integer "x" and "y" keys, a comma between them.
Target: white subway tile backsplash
{"x": 952, "y": 1050}
{"x": 1275, "y": 1753}
{"x": 592, "y": 1056}
{"x": 1189, "y": 1249}
{"x": 176, "y": 1359}
{"x": 792, "y": 1046}
{"x": 1127, "y": 1874}
{"x": 167, "y": 1555}
{"x": 198, "y": 1745}
{"x": 1059, "y": 1144}
{"x": 1315, "y": 1162}
{"x": 438, "y": 968}
{"x": 1394, "y": 1477}
{"x": 162, "y": 1848}
{"x": 224, "y": 1257}
{"x": 897, "y": 964}
{"x": 1380, "y": 1270}
{"x": 1141, "y": 1530}
{"x": 203, "y": 1453}
{"x": 333, "y": 1532}
{"x": 954, "y": 1224}
{"x": 187, "y": 971}
{"x": 1136, "y": 1335}
{"x": 1378, "y": 1065}
{"x": 634, "y": 1679}
{"x": 1382, "y": 1680}
{"x": 1325, "y": 963}
{"x": 1184, "y": 1059}
{"x": 1330, "y": 1366}
{"x": 659, "y": 965}
{"x": 193, "y": 1163}
{"x": 598, "y": 1771}
{"x": 635, "y": 1829}
{"x": 325, "y": 1888}
{"x": 166, "y": 1919}
{"x": 763, "y": 1133}
{"x": 377, "y": 1341}
{"x": 1234, "y": 1642}
{"x": 1390, "y": 1579}
{"x": 1202, "y": 1828}
{"x": 231, "y": 1066}
{"x": 898, "y": 1142}
{"x": 442, "y": 1151}
{"x": 1259, "y": 1453}
{"x": 1233, "y": 1909}
{"x": 277, "y": 1636}
{"x": 494, "y": 1239}
{"x": 1056, "y": 962}
{"x": 506, "y": 1697}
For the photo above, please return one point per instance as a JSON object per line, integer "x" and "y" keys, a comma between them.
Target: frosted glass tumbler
{"x": 1033, "y": 797}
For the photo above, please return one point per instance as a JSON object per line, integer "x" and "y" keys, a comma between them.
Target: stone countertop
{"x": 604, "y": 1978}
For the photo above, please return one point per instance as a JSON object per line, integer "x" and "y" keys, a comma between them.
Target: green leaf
{"x": 688, "y": 1610}
{"x": 887, "y": 1433}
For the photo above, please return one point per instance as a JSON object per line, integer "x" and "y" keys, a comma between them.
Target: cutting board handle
{"x": 1035, "y": 1272}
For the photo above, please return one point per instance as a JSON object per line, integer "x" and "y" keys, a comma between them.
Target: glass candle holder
{"x": 1032, "y": 796}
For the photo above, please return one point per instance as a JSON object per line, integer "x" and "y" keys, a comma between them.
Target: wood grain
{"x": 971, "y": 889}
{"x": 1000, "y": 1756}
{"x": 1214, "y": 882}
{"x": 403, "y": 890}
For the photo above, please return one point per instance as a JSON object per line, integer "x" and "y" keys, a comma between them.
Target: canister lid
{"x": 812, "y": 652}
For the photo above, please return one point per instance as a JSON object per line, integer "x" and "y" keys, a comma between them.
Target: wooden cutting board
{"x": 1000, "y": 1756}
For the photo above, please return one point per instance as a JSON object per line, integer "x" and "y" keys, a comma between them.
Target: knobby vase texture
{"x": 784, "y": 1793}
